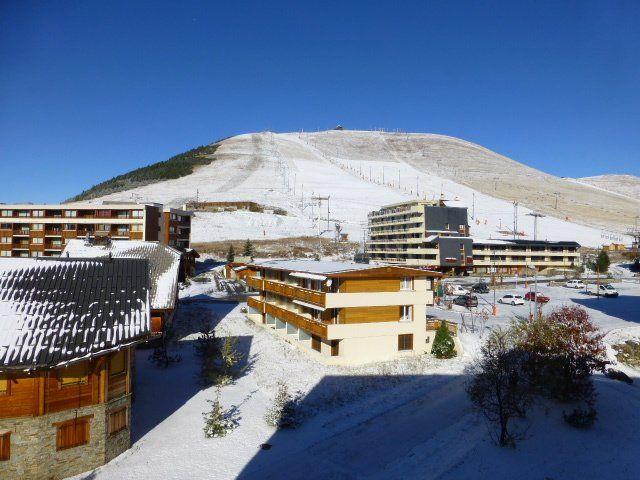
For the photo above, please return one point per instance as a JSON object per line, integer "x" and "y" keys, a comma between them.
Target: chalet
{"x": 343, "y": 313}
{"x": 68, "y": 328}
{"x": 164, "y": 271}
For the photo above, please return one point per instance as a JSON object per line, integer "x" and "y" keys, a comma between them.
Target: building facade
{"x": 28, "y": 230}
{"x": 435, "y": 236}
{"x": 343, "y": 313}
{"x": 65, "y": 406}
{"x": 514, "y": 256}
{"x": 421, "y": 234}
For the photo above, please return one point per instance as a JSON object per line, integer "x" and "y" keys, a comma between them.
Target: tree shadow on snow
{"x": 624, "y": 307}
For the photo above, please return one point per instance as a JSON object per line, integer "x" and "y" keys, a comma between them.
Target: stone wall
{"x": 33, "y": 444}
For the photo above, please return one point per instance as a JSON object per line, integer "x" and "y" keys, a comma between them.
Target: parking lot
{"x": 608, "y": 313}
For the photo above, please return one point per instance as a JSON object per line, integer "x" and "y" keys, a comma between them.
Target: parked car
{"x": 531, "y": 296}
{"x": 480, "y": 287}
{"x": 512, "y": 299}
{"x": 455, "y": 289}
{"x": 575, "y": 284}
{"x": 604, "y": 289}
{"x": 466, "y": 301}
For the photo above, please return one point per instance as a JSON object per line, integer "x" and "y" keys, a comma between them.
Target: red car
{"x": 531, "y": 296}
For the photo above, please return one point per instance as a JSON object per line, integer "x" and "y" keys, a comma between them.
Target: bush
{"x": 581, "y": 417}
{"x": 284, "y": 413}
{"x": 219, "y": 357}
{"x": 218, "y": 421}
{"x": 443, "y": 345}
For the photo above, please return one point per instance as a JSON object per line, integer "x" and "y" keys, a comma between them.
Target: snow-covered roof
{"x": 164, "y": 264}
{"x": 325, "y": 267}
{"x": 506, "y": 241}
{"x": 58, "y": 311}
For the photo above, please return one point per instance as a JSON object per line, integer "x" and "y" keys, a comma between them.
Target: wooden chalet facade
{"x": 68, "y": 329}
{"x": 344, "y": 313}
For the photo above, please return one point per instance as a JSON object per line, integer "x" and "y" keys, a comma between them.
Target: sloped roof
{"x": 164, "y": 264}
{"x": 56, "y": 311}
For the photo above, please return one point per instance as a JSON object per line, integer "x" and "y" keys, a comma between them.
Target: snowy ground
{"x": 406, "y": 419}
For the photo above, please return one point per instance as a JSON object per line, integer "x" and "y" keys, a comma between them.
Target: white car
{"x": 575, "y": 284}
{"x": 512, "y": 299}
{"x": 455, "y": 289}
{"x": 606, "y": 290}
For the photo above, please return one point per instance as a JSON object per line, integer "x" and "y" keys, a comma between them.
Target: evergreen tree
{"x": 249, "y": 249}
{"x": 443, "y": 346}
{"x": 284, "y": 411}
{"x": 218, "y": 421}
{"x": 231, "y": 254}
{"x": 603, "y": 262}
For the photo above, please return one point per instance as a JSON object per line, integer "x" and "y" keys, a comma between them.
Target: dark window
{"x": 405, "y": 341}
{"x": 72, "y": 433}
{"x": 5, "y": 446}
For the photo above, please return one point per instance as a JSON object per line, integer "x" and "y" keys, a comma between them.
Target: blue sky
{"x": 89, "y": 90}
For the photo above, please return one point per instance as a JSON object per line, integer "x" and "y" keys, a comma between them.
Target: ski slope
{"x": 360, "y": 172}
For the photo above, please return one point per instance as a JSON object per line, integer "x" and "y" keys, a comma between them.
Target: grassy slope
{"x": 176, "y": 167}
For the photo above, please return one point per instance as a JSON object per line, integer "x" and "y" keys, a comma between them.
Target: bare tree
{"x": 498, "y": 386}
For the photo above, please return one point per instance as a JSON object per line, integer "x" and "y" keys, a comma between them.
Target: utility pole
{"x": 398, "y": 178}
{"x": 417, "y": 186}
{"x": 383, "y": 174}
{"x": 556, "y": 194}
{"x": 473, "y": 207}
{"x": 535, "y": 216}
{"x": 515, "y": 220}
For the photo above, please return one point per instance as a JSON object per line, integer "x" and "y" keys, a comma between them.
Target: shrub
{"x": 581, "y": 417}
{"x": 231, "y": 254}
{"x": 218, "y": 421}
{"x": 284, "y": 413}
{"x": 443, "y": 345}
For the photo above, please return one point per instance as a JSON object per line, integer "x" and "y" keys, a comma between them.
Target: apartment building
{"x": 343, "y": 313}
{"x": 28, "y": 230}
{"x": 436, "y": 236}
{"x": 514, "y": 256}
{"x": 421, "y": 234}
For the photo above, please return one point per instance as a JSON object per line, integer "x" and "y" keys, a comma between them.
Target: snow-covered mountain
{"x": 627, "y": 185}
{"x": 361, "y": 170}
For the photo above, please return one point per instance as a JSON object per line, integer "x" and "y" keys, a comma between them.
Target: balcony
{"x": 21, "y": 233}
{"x": 300, "y": 321}
{"x": 290, "y": 291}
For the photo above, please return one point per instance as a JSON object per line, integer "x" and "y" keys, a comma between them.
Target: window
{"x": 406, "y": 313}
{"x": 103, "y": 227}
{"x": 23, "y": 213}
{"x": 5, "y": 253}
{"x": 37, "y": 213}
{"x": 446, "y": 226}
{"x": 6, "y": 213}
{"x": 72, "y": 433}
{"x": 36, "y": 254}
{"x": 118, "y": 363}
{"x": 5, "y": 446}
{"x": 136, "y": 227}
{"x": 73, "y": 375}
{"x": 5, "y": 239}
{"x": 405, "y": 341}
{"x": 118, "y": 420}
{"x": 5, "y": 226}
{"x": 69, "y": 226}
{"x": 103, "y": 213}
{"x": 37, "y": 226}
{"x": 122, "y": 214}
{"x": 462, "y": 228}
{"x": 37, "y": 240}
{"x": 5, "y": 385}
{"x": 136, "y": 213}
{"x": 406, "y": 283}
{"x": 70, "y": 213}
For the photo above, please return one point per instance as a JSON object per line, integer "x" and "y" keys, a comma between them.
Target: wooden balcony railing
{"x": 293, "y": 291}
{"x": 313, "y": 326}
{"x": 290, "y": 291}
{"x": 255, "y": 303}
